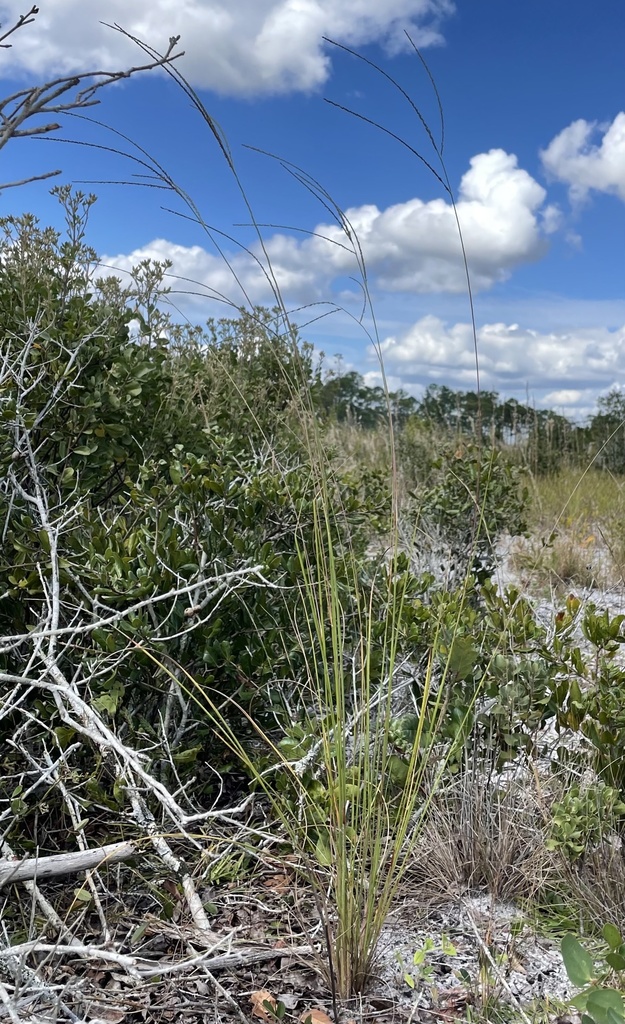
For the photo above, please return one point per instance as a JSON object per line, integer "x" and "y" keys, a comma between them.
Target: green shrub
{"x": 583, "y": 817}
{"x": 598, "y": 1002}
{"x": 136, "y": 511}
{"x": 477, "y": 495}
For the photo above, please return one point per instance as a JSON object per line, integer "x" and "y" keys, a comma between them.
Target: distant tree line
{"x": 544, "y": 438}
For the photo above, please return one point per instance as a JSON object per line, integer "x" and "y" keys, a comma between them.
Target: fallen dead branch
{"x": 38, "y": 868}
{"x": 141, "y": 968}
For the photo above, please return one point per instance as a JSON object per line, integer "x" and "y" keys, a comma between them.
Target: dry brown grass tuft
{"x": 574, "y": 558}
{"x": 487, "y": 834}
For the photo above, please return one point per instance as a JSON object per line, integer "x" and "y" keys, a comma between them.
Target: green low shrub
{"x": 477, "y": 494}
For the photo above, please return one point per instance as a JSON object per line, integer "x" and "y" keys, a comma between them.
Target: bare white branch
{"x": 141, "y": 967}
{"x": 15, "y": 870}
{"x": 61, "y": 95}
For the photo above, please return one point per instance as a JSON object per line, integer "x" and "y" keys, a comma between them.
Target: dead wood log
{"x": 63, "y": 863}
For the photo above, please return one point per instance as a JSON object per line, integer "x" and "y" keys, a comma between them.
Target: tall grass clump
{"x": 343, "y": 799}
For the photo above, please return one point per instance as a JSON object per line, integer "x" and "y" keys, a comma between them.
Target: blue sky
{"x": 534, "y": 104}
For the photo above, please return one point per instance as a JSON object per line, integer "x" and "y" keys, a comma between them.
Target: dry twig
{"x": 55, "y": 97}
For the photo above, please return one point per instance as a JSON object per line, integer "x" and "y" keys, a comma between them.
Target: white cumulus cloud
{"x": 197, "y": 275}
{"x": 414, "y": 246}
{"x": 410, "y": 247}
{"x": 249, "y": 47}
{"x": 562, "y": 363}
{"x": 564, "y": 397}
{"x": 584, "y": 164}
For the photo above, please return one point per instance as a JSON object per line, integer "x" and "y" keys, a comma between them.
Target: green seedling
{"x": 422, "y": 970}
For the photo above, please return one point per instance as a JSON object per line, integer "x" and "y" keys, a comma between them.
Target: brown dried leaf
{"x": 258, "y": 999}
{"x": 278, "y": 883}
{"x": 171, "y": 888}
{"x": 315, "y": 1017}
